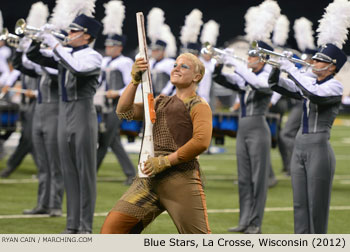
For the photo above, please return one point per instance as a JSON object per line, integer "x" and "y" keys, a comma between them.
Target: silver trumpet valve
{"x": 11, "y": 39}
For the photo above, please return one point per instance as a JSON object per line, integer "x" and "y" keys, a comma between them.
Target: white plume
{"x": 261, "y": 24}
{"x": 38, "y": 15}
{"x": 190, "y": 31}
{"x": 169, "y": 38}
{"x": 250, "y": 15}
{"x": 281, "y": 30}
{"x": 115, "y": 15}
{"x": 66, "y": 10}
{"x": 334, "y": 24}
{"x": 1, "y": 21}
{"x": 155, "y": 20}
{"x": 304, "y": 34}
{"x": 210, "y": 32}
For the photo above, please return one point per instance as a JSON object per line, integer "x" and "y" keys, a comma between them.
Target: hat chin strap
{"x": 321, "y": 69}
{"x": 68, "y": 40}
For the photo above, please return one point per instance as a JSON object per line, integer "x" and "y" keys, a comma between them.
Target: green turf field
{"x": 220, "y": 171}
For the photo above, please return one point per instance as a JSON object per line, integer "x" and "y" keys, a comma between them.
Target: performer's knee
{"x": 119, "y": 223}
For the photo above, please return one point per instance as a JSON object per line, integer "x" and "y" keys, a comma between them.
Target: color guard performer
{"x": 181, "y": 132}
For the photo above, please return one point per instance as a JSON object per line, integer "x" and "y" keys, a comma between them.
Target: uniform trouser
{"x": 253, "y": 161}
{"x": 312, "y": 170}
{"x": 77, "y": 142}
{"x": 50, "y": 190}
{"x": 25, "y": 145}
{"x": 181, "y": 195}
{"x": 111, "y": 137}
{"x": 287, "y": 135}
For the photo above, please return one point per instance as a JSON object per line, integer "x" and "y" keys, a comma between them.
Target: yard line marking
{"x": 343, "y": 179}
{"x": 214, "y": 211}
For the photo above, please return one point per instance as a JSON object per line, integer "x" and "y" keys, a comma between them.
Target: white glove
{"x": 47, "y": 27}
{"x": 49, "y": 39}
{"x": 286, "y": 65}
{"x": 24, "y": 44}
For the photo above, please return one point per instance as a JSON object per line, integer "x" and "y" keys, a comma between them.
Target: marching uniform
{"x": 78, "y": 73}
{"x": 115, "y": 75}
{"x": 313, "y": 160}
{"x": 29, "y": 80}
{"x": 160, "y": 72}
{"x": 253, "y": 140}
{"x": 205, "y": 86}
{"x": 45, "y": 140}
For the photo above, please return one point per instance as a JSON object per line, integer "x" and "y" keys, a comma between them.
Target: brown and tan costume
{"x": 185, "y": 127}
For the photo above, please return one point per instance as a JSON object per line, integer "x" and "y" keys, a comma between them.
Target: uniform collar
{"x": 78, "y": 48}
{"x": 324, "y": 80}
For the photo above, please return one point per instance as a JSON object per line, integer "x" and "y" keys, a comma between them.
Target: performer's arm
{"x": 231, "y": 81}
{"x": 89, "y": 63}
{"x": 201, "y": 116}
{"x": 283, "y": 86}
{"x": 35, "y": 55}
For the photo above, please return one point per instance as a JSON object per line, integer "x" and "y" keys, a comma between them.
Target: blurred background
{"x": 228, "y": 13}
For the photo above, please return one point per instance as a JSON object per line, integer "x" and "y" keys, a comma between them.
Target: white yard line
{"x": 210, "y": 211}
{"x": 343, "y": 179}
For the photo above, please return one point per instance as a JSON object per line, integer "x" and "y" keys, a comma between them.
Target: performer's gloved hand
{"x": 47, "y": 27}
{"x": 286, "y": 65}
{"x": 49, "y": 39}
{"x": 155, "y": 165}
{"x": 140, "y": 65}
{"x": 24, "y": 44}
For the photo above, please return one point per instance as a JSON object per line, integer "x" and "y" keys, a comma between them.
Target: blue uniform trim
{"x": 64, "y": 90}
{"x": 305, "y": 118}
{"x": 243, "y": 106}
{"x": 40, "y": 99}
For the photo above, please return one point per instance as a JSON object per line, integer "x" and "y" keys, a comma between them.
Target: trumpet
{"x": 11, "y": 39}
{"x": 263, "y": 53}
{"x": 216, "y": 52}
{"x": 21, "y": 27}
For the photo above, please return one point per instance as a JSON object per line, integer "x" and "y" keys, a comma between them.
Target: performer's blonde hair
{"x": 199, "y": 67}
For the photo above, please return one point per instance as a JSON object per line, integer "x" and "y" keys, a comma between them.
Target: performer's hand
{"x": 112, "y": 94}
{"x": 140, "y": 65}
{"x": 29, "y": 93}
{"x": 5, "y": 89}
{"x": 24, "y": 44}
{"x": 286, "y": 65}
{"x": 49, "y": 40}
{"x": 155, "y": 165}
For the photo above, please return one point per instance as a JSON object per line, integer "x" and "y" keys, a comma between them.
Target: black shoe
{"x": 55, "y": 212}
{"x": 5, "y": 173}
{"x": 129, "y": 181}
{"x": 240, "y": 229}
{"x": 36, "y": 210}
{"x": 84, "y": 232}
{"x": 253, "y": 230}
{"x": 272, "y": 182}
{"x": 70, "y": 231}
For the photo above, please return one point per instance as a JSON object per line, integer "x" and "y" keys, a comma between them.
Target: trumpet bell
{"x": 20, "y": 26}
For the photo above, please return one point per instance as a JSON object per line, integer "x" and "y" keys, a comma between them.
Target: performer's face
{"x": 113, "y": 51}
{"x": 184, "y": 73}
{"x": 77, "y": 38}
{"x": 157, "y": 54}
{"x": 322, "y": 69}
{"x": 254, "y": 63}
